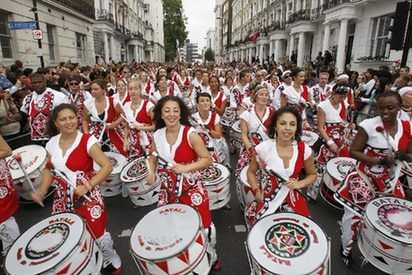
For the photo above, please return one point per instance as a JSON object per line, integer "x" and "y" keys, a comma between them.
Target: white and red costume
{"x": 219, "y": 101}
{"x": 38, "y": 107}
{"x": 356, "y": 193}
{"x": 171, "y": 91}
{"x": 78, "y": 100}
{"x": 148, "y": 88}
{"x": 121, "y": 101}
{"x": 257, "y": 131}
{"x": 140, "y": 115}
{"x": 77, "y": 165}
{"x": 336, "y": 123}
{"x": 97, "y": 124}
{"x": 319, "y": 93}
{"x": 268, "y": 156}
{"x": 9, "y": 230}
{"x": 237, "y": 94}
{"x": 193, "y": 192}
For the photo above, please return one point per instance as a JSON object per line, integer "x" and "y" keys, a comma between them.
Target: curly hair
{"x": 288, "y": 109}
{"x": 184, "y": 111}
{"x": 51, "y": 124}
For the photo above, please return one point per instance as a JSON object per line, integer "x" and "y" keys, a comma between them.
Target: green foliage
{"x": 209, "y": 55}
{"x": 174, "y": 27}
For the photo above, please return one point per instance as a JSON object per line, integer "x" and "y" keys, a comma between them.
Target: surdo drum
{"x": 236, "y": 136}
{"x": 336, "y": 171}
{"x": 33, "y": 160}
{"x": 385, "y": 237}
{"x": 309, "y": 137}
{"x": 245, "y": 194}
{"x": 228, "y": 117}
{"x": 134, "y": 176}
{"x": 287, "y": 243}
{"x": 216, "y": 180}
{"x": 170, "y": 240}
{"x": 112, "y": 186}
{"x": 60, "y": 244}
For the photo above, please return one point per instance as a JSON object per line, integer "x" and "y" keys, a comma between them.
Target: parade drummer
{"x": 240, "y": 91}
{"x": 121, "y": 96}
{"x": 219, "y": 98}
{"x": 70, "y": 168}
{"x": 101, "y": 118}
{"x": 209, "y": 124}
{"x": 164, "y": 89}
{"x": 77, "y": 96}
{"x": 9, "y": 230}
{"x": 181, "y": 154}
{"x": 139, "y": 115}
{"x": 38, "y": 106}
{"x": 287, "y": 157}
{"x": 379, "y": 146}
{"x": 254, "y": 125}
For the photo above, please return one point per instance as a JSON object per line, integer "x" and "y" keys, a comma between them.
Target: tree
{"x": 209, "y": 55}
{"x": 174, "y": 26}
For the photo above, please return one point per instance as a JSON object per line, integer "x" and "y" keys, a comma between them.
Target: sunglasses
{"x": 74, "y": 83}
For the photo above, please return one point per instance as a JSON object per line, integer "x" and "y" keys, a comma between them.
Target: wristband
{"x": 330, "y": 142}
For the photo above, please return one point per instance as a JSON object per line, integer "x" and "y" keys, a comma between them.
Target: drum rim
{"x": 123, "y": 171}
{"x": 221, "y": 179}
{"x": 40, "y": 167}
{"x": 71, "y": 250}
{"x": 366, "y": 218}
{"x": 154, "y": 186}
{"x": 200, "y": 231}
{"x": 309, "y": 218}
{"x": 327, "y": 170}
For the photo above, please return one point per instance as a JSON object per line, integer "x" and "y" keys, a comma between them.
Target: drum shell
{"x": 35, "y": 177}
{"x": 246, "y": 192}
{"x": 145, "y": 197}
{"x": 398, "y": 259}
{"x": 112, "y": 186}
{"x": 236, "y": 135}
{"x": 219, "y": 193}
{"x": 111, "y": 191}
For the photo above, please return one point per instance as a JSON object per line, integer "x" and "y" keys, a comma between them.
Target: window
{"x": 380, "y": 36}
{"x": 5, "y": 38}
{"x": 50, "y": 39}
{"x": 81, "y": 46}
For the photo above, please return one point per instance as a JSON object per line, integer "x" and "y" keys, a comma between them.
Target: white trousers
{"x": 349, "y": 227}
{"x": 9, "y": 232}
{"x": 110, "y": 255}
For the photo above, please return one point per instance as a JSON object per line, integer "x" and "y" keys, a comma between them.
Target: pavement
{"x": 230, "y": 233}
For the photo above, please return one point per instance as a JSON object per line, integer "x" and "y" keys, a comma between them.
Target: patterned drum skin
{"x": 216, "y": 180}
{"x": 60, "y": 244}
{"x": 385, "y": 237}
{"x": 33, "y": 158}
{"x": 286, "y": 244}
{"x": 236, "y": 135}
{"x": 134, "y": 177}
{"x": 113, "y": 185}
{"x": 309, "y": 137}
{"x": 336, "y": 171}
{"x": 169, "y": 240}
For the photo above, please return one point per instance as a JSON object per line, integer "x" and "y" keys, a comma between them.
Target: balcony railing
{"x": 301, "y": 15}
{"x": 84, "y": 7}
{"x": 104, "y": 15}
{"x": 329, "y": 4}
{"x": 316, "y": 13}
{"x": 277, "y": 25}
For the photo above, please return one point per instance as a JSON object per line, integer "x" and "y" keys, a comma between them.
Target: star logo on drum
{"x": 287, "y": 240}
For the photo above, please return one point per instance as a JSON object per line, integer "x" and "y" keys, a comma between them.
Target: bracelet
{"x": 330, "y": 142}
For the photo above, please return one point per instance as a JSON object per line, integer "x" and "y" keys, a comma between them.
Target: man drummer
{"x": 38, "y": 106}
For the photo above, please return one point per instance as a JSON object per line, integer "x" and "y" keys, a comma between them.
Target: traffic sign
{"x": 21, "y": 25}
{"x": 37, "y": 34}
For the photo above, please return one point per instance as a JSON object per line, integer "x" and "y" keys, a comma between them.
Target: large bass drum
{"x": 60, "y": 244}
{"x": 170, "y": 240}
{"x": 216, "y": 180}
{"x": 385, "y": 238}
{"x": 287, "y": 243}
{"x": 112, "y": 186}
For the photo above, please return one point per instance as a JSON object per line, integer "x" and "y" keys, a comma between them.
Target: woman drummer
{"x": 218, "y": 96}
{"x": 139, "y": 116}
{"x": 70, "y": 168}
{"x": 181, "y": 153}
{"x": 284, "y": 156}
{"x": 210, "y": 130}
{"x": 9, "y": 204}
{"x": 254, "y": 124}
{"x": 380, "y": 146}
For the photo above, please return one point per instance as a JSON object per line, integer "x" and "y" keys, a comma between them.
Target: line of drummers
{"x": 163, "y": 141}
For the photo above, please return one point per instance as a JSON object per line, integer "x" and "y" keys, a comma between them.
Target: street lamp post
{"x": 36, "y": 19}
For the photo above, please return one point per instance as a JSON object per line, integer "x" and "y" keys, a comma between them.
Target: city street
{"x": 230, "y": 234}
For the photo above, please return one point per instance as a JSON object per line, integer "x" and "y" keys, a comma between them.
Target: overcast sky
{"x": 200, "y": 18}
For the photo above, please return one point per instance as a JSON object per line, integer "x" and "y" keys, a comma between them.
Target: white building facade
{"x": 354, "y": 31}
{"x": 67, "y": 28}
{"x": 154, "y": 35}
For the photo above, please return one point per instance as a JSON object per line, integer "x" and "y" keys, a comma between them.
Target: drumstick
{"x": 63, "y": 176}
{"x": 26, "y": 176}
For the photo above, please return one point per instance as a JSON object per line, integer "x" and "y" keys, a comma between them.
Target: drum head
{"x": 338, "y": 168}
{"x": 243, "y": 176}
{"x": 118, "y": 161}
{"x": 393, "y": 217}
{"x": 214, "y": 174}
{"x": 45, "y": 245}
{"x": 288, "y": 243}
{"x": 134, "y": 171}
{"x": 309, "y": 137}
{"x": 32, "y": 157}
{"x": 165, "y": 232}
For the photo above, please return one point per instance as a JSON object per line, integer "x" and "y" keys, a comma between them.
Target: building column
{"x": 106, "y": 47}
{"x": 277, "y": 50}
{"x": 270, "y": 49}
{"x": 261, "y": 53}
{"x": 326, "y": 36}
{"x": 301, "y": 49}
{"x": 250, "y": 55}
{"x": 340, "y": 55}
{"x": 291, "y": 45}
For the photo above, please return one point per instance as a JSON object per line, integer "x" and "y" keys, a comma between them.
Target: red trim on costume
{"x": 184, "y": 152}
{"x": 143, "y": 116}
